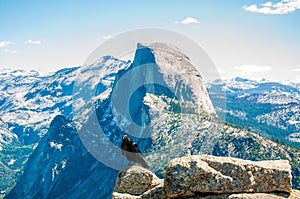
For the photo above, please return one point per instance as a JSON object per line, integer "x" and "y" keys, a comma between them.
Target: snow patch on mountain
{"x": 96, "y": 79}
{"x": 57, "y": 146}
{"x": 30, "y": 100}
{"x": 295, "y": 137}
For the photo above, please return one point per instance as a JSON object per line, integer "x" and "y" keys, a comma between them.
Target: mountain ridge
{"x": 169, "y": 121}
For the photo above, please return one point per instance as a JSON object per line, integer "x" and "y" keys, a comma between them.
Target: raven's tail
{"x": 143, "y": 162}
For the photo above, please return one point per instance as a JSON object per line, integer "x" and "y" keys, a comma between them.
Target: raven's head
{"x": 126, "y": 139}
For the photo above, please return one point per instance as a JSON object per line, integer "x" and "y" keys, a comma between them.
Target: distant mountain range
{"x": 29, "y": 101}
{"x": 271, "y": 109}
{"x": 60, "y": 166}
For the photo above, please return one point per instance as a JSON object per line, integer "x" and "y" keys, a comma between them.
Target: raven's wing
{"x": 138, "y": 156}
{"x": 136, "y": 148}
{"x": 133, "y": 153}
{"x": 123, "y": 146}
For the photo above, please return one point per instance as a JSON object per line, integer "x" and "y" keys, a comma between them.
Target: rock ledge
{"x": 204, "y": 176}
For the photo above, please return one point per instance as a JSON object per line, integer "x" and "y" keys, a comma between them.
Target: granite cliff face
{"x": 162, "y": 70}
{"x": 176, "y": 71}
{"x": 60, "y": 167}
{"x": 178, "y": 117}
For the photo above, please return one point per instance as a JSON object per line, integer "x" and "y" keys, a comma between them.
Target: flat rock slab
{"x": 209, "y": 174}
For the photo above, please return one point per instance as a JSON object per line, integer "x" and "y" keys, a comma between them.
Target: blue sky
{"x": 251, "y": 38}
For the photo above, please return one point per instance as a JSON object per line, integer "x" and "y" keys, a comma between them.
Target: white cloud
{"x": 35, "y": 42}
{"x": 5, "y": 43}
{"x": 188, "y": 20}
{"x": 249, "y": 70}
{"x": 107, "y": 37}
{"x": 267, "y": 4}
{"x": 10, "y": 51}
{"x": 297, "y": 69}
{"x": 279, "y": 8}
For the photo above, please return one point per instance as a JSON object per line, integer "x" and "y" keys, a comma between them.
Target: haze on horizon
{"x": 254, "y": 39}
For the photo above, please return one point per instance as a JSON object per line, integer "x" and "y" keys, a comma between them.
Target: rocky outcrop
{"x": 204, "y": 176}
{"x": 136, "y": 180}
{"x": 209, "y": 174}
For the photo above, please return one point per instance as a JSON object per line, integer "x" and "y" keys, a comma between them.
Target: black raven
{"x": 132, "y": 152}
